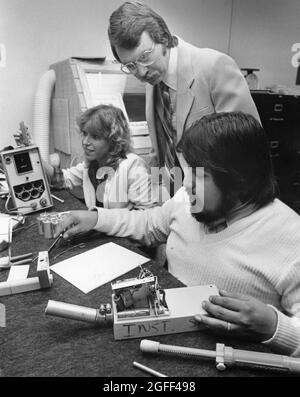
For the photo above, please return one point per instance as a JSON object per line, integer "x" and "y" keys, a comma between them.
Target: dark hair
{"x": 108, "y": 122}
{"x": 235, "y": 150}
{"x": 130, "y": 20}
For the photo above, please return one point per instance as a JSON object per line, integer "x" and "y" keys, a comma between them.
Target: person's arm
{"x": 74, "y": 176}
{"x": 49, "y": 170}
{"x": 286, "y": 338}
{"x": 287, "y": 335}
{"x": 150, "y": 226}
{"x": 141, "y": 192}
{"x": 280, "y": 330}
{"x": 229, "y": 88}
{"x": 53, "y": 171}
{"x": 239, "y": 315}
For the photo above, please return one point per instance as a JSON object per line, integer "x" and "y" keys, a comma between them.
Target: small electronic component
{"x": 139, "y": 297}
{"x": 132, "y": 298}
{"x": 49, "y": 223}
{"x": 43, "y": 269}
{"x": 139, "y": 308}
{"x": 43, "y": 280}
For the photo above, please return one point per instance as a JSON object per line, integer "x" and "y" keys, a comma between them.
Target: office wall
{"x": 262, "y": 34}
{"x": 37, "y": 33}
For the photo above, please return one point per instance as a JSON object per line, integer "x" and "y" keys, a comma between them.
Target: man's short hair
{"x": 234, "y": 148}
{"x": 130, "y": 20}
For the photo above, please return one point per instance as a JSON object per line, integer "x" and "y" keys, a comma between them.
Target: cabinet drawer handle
{"x": 274, "y": 144}
{"x": 278, "y": 107}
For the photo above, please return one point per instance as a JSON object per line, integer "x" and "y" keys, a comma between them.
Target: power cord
{"x": 10, "y": 210}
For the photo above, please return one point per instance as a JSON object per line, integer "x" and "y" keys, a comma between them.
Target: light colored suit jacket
{"x": 208, "y": 81}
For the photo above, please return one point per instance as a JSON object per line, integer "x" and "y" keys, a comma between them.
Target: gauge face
{"x": 26, "y": 179}
{"x": 22, "y": 162}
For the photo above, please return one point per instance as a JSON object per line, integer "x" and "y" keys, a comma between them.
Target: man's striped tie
{"x": 170, "y": 132}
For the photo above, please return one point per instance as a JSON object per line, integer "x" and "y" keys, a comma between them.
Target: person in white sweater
{"x": 111, "y": 175}
{"x": 225, "y": 226}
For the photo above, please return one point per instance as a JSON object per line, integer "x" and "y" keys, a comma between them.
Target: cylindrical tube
{"x": 47, "y": 229}
{"x": 231, "y": 356}
{"x": 22, "y": 262}
{"x": 156, "y": 347}
{"x": 292, "y": 363}
{"x": 75, "y": 312}
{"x": 21, "y": 257}
{"x": 270, "y": 360}
{"x": 41, "y": 112}
{"x": 149, "y": 370}
{"x": 134, "y": 313}
{"x": 67, "y": 310}
{"x": 55, "y": 227}
{"x": 40, "y": 223}
{"x": 49, "y": 223}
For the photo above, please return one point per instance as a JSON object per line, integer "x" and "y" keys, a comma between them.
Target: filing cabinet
{"x": 280, "y": 117}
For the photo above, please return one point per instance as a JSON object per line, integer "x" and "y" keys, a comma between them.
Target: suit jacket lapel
{"x": 150, "y": 116}
{"x": 185, "y": 96}
{"x": 185, "y": 80}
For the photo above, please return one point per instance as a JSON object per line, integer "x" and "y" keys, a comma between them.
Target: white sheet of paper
{"x": 18, "y": 272}
{"x": 98, "y": 266}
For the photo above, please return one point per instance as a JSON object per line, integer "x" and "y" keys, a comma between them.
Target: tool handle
{"x": 226, "y": 355}
{"x": 293, "y": 364}
{"x": 270, "y": 360}
{"x": 149, "y": 346}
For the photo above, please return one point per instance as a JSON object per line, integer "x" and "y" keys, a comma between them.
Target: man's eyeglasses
{"x": 143, "y": 60}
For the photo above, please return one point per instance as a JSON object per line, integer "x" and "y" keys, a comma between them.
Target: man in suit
{"x": 185, "y": 83}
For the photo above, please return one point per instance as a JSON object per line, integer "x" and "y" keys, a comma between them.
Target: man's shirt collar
{"x": 237, "y": 213}
{"x": 171, "y": 78}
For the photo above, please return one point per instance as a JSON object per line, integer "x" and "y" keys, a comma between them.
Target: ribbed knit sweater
{"x": 258, "y": 255}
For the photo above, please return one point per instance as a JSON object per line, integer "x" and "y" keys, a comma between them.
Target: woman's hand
{"x": 77, "y": 222}
{"x": 239, "y": 315}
